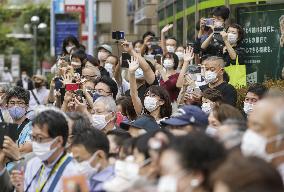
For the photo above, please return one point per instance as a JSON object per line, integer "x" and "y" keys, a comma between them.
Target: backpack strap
{"x": 37, "y": 101}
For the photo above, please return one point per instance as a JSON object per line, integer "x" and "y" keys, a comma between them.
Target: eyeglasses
{"x": 40, "y": 139}
{"x": 101, "y": 91}
{"x": 18, "y": 103}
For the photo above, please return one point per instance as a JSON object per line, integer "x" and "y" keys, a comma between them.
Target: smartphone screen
{"x": 124, "y": 57}
{"x": 8, "y": 129}
{"x": 209, "y": 21}
{"x": 72, "y": 87}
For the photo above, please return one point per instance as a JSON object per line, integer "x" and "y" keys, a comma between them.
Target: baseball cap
{"x": 188, "y": 115}
{"x": 106, "y": 47}
{"x": 146, "y": 122}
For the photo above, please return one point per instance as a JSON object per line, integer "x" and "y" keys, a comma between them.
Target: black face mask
{"x": 37, "y": 85}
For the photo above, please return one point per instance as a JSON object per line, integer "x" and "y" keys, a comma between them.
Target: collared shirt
{"x": 33, "y": 167}
{"x": 97, "y": 181}
{"x": 25, "y": 83}
{"x": 41, "y": 95}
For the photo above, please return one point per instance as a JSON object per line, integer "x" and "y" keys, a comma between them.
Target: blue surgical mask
{"x": 95, "y": 96}
{"x": 17, "y": 112}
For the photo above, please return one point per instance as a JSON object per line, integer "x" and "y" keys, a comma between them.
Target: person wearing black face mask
{"x": 39, "y": 95}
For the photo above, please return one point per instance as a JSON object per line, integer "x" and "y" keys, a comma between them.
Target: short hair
{"x": 259, "y": 89}
{"x": 213, "y": 95}
{"x": 199, "y": 152}
{"x": 225, "y": 111}
{"x": 120, "y": 136}
{"x": 110, "y": 83}
{"x": 141, "y": 144}
{"x": 109, "y": 103}
{"x": 18, "y": 92}
{"x": 174, "y": 56}
{"x": 166, "y": 109}
{"x": 127, "y": 107}
{"x": 71, "y": 39}
{"x": 138, "y": 41}
{"x": 56, "y": 124}
{"x": 221, "y": 11}
{"x": 241, "y": 32}
{"x": 247, "y": 174}
{"x": 93, "y": 140}
{"x": 215, "y": 58}
{"x": 171, "y": 37}
{"x": 237, "y": 124}
{"x": 147, "y": 34}
{"x": 80, "y": 122}
{"x": 80, "y": 54}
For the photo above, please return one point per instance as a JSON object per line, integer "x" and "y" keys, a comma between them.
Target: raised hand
{"x": 188, "y": 54}
{"x": 167, "y": 28}
{"x": 17, "y": 179}
{"x": 67, "y": 78}
{"x": 224, "y": 35}
{"x": 133, "y": 65}
{"x": 10, "y": 148}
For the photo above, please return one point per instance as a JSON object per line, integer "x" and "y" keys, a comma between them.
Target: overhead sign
{"x": 75, "y": 6}
{"x": 64, "y": 28}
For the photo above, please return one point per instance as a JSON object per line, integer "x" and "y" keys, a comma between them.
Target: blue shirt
{"x": 97, "y": 181}
{"x": 25, "y": 134}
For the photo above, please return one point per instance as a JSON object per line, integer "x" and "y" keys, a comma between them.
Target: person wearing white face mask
{"x": 168, "y": 44}
{"x": 104, "y": 114}
{"x": 265, "y": 135}
{"x": 114, "y": 69}
{"x": 255, "y": 93}
{"x": 169, "y": 75}
{"x": 68, "y": 44}
{"x": 45, "y": 171}
{"x": 103, "y": 52}
{"x": 214, "y": 76}
{"x": 90, "y": 150}
{"x": 211, "y": 98}
{"x": 177, "y": 176}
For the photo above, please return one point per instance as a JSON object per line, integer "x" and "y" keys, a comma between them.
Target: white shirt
{"x": 34, "y": 165}
{"x": 25, "y": 83}
{"x": 41, "y": 94}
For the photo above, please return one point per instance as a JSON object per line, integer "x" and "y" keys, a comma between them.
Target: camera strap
{"x": 36, "y": 99}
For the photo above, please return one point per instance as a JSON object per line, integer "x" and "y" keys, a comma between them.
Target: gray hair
{"x": 215, "y": 58}
{"x": 109, "y": 103}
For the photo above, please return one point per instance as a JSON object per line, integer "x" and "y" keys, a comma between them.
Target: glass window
{"x": 170, "y": 11}
{"x": 190, "y": 3}
{"x": 190, "y": 28}
{"x": 161, "y": 14}
{"x": 179, "y": 5}
{"x": 180, "y": 31}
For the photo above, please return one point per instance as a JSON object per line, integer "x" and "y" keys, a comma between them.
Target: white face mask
{"x": 102, "y": 56}
{"x": 99, "y": 121}
{"x": 211, "y": 131}
{"x": 171, "y": 49}
{"x": 69, "y": 48}
{"x": 149, "y": 57}
{"x": 210, "y": 76}
{"x": 86, "y": 168}
{"x": 109, "y": 68}
{"x": 206, "y": 107}
{"x": 150, "y": 103}
{"x": 180, "y": 55}
{"x": 248, "y": 107}
{"x": 139, "y": 74}
{"x": 42, "y": 150}
{"x": 232, "y": 38}
{"x": 168, "y": 63}
{"x": 137, "y": 50}
{"x": 75, "y": 64}
{"x": 127, "y": 170}
{"x": 254, "y": 144}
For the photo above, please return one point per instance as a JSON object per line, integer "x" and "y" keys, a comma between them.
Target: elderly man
{"x": 265, "y": 135}
{"x": 213, "y": 74}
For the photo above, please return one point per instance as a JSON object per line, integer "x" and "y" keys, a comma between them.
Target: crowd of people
{"x": 165, "y": 120}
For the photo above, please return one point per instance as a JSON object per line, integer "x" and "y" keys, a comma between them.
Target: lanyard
{"x": 41, "y": 170}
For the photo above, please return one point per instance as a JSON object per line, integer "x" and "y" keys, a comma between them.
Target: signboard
{"x": 264, "y": 52}
{"x": 75, "y": 6}
{"x": 64, "y": 28}
{"x": 15, "y": 65}
{"x": 58, "y": 6}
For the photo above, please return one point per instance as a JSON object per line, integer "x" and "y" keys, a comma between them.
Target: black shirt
{"x": 229, "y": 93}
{"x": 142, "y": 89}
